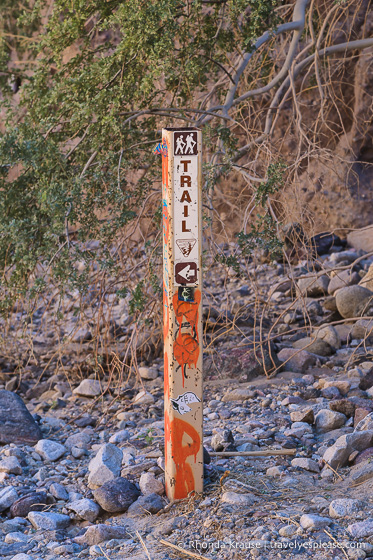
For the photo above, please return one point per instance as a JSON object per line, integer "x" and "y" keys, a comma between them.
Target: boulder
{"x": 363, "y": 328}
{"x": 330, "y": 335}
{"x": 367, "y": 280}
{"x": 341, "y": 279}
{"x": 105, "y": 466}
{"x": 16, "y": 423}
{"x": 116, "y": 495}
{"x": 314, "y": 286}
{"x": 345, "y": 406}
{"x": 353, "y": 301}
{"x": 48, "y": 521}
{"x": 361, "y": 239}
{"x": 314, "y": 345}
{"x": 327, "y": 420}
{"x": 297, "y": 361}
{"x": 337, "y": 455}
{"x": 50, "y": 450}
{"x": 33, "y": 501}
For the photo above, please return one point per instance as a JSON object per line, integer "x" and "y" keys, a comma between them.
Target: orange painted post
{"x": 182, "y": 309}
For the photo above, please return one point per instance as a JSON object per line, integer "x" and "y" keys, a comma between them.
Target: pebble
{"x": 311, "y": 521}
{"x": 105, "y": 466}
{"x": 89, "y": 388}
{"x": 234, "y": 499}
{"x": 50, "y": 450}
{"x": 48, "y": 521}
{"x": 306, "y": 464}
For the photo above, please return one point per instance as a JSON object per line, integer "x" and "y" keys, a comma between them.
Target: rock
{"x": 89, "y": 388}
{"x": 58, "y": 491}
{"x": 120, "y": 437}
{"x": 361, "y": 529}
{"x": 306, "y": 464}
{"x": 116, "y": 495}
{"x": 363, "y": 328}
{"x": 330, "y": 335}
{"x": 48, "y": 521}
{"x": 235, "y": 499}
{"x": 16, "y": 423}
{"x": 367, "y": 381}
{"x": 143, "y": 397}
{"x": 314, "y": 345}
{"x": 287, "y": 531}
{"x": 148, "y": 373}
{"x": 344, "y": 507}
{"x": 297, "y": 361}
{"x": 275, "y": 471}
{"x": 33, "y": 501}
{"x": 149, "y": 484}
{"x": 10, "y": 465}
{"x": 367, "y": 280}
{"x": 152, "y": 503}
{"x": 312, "y": 521}
{"x": 314, "y": 286}
{"x": 8, "y": 496}
{"x": 244, "y": 362}
{"x": 327, "y": 420}
{"x": 50, "y": 450}
{"x": 360, "y": 414}
{"x": 363, "y": 455}
{"x": 222, "y": 440}
{"x": 344, "y": 406}
{"x": 343, "y": 386}
{"x": 338, "y": 454}
{"x": 81, "y": 335}
{"x": 22, "y": 556}
{"x": 303, "y": 415}
{"x": 238, "y": 395}
{"x": 330, "y": 393}
{"x": 353, "y": 301}
{"x": 323, "y": 243}
{"x": 361, "y": 472}
{"x": 365, "y": 424}
{"x": 341, "y": 279}
{"x": 85, "y": 508}
{"x": 81, "y": 439}
{"x": 105, "y": 466}
{"x": 361, "y": 239}
{"x": 101, "y": 533}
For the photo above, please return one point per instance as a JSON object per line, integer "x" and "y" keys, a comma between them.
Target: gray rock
{"x": 120, "y": 437}
{"x": 314, "y": 286}
{"x": 353, "y": 301}
{"x": 16, "y": 423}
{"x": 48, "y": 521}
{"x": 303, "y": 415}
{"x": 241, "y": 500}
{"x": 33, "y": 501}
{"x": 8, "y": 496}
{"x": 312, "y": 521}
{"x": 361, "y": 472}
{"x": 365, "y": 424}
{"x": 150, "y": 485}
{"x": 80, "y": 439}
{"x": 338, "y": 454}
{"x": 22, "y": 556}
{"x": 86, "y": 509}
{"x": 222, "y": 440}
{"x": 148, "y": 373}
{"x": 341, "y": 279}
{"x": 105, "y": 466}
{"x": 314, "y": 345}
{"x": 297, "y": 361}
{"x": 361, "y": 239}
{"x": 10, "y": 465}
{"x": 367, "y": 281}
{"x": 152, "y": 503}
{"x": 89, "y": 388}
{"x": 361, "y": 529}
{"x": 50, "y": 450}
{"x": 143, "y": 397}
{"x": 306, "y": 464}
{"x": 344, "y": 507}
{"x": 238, "y": 395}
{"x": 363, "y": 328}
{"x": 101, "y": 533}
{"x": 116, "y": 495}
{"x": 327, "y": 420}
{"x": 330, "y": 335}
{"x": 58, "y": 491}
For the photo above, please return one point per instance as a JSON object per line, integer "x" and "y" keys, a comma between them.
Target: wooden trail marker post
{"x": 182, "y": 309}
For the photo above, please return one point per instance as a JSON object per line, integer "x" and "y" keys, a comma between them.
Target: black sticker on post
{"x": 185, "y": 293}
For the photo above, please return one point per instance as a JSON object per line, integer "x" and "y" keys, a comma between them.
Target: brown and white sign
{"x": 186, "y": 234}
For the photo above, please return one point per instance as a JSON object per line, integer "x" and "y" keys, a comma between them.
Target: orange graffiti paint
{"x": 184, "y": 479}
{"x": 188, "y": 310}
{"x": 186, "y": 352}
